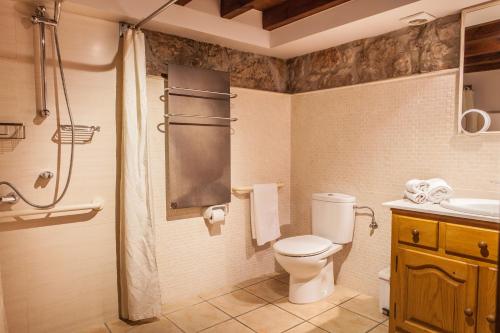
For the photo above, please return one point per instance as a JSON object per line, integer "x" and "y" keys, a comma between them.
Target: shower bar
{"x": 145, "y": 20}
{"x": 96, "y": 205}
{"x": 170, "y": 115}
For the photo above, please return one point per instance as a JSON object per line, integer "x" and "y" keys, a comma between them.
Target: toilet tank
{"x": 333, "y": 216}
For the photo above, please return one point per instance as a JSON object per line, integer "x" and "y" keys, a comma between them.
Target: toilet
{"x": 309, "y": 258}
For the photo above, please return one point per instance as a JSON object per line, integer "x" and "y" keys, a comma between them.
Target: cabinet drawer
{"x": 418, "y": 232}
{"x": 471, "y": 242}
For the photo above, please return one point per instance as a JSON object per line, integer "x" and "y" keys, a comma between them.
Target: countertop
{"x": 432, "y": 208}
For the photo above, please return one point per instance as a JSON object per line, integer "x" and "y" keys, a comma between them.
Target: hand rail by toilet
{"x": 96, "y": 205}
{"x": 248, "y": 189}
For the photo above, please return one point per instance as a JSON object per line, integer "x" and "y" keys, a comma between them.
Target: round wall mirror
{"x": 475, "y": 121}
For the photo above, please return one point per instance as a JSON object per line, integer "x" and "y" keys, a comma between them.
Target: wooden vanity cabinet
{"x": 443, "y": 274}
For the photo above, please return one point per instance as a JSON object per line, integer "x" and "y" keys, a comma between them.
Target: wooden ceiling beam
{"x": 294, "y": 10}
{"x": 233, "y": 8}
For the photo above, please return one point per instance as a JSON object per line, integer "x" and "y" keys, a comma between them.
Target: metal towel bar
{"x": 170, "y": 115}
{"x": 218, "y": 93}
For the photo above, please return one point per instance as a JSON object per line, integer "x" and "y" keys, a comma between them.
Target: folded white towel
{"x": 264, "y": 213}
{"x": 439, "y": 190}
{"x": 417, "y": 185}
{"x": 418, "y": 198}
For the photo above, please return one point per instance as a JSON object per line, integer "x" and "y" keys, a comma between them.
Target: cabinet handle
{"x": 491, "y": 319}
{"x": 468, "y": 312}
{"x": 415, "y": 232}
{"x": 482, "y": 245}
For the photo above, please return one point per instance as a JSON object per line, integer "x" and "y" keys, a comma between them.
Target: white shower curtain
{"x": 3, "y": 317}
{"x": 140, "y": 286}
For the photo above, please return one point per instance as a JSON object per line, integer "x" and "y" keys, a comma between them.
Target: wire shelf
{"x": 83, "y": 134}
{"x": 12, "y": 131}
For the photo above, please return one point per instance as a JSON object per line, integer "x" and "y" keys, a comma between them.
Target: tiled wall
{"x": 59, "y": 273}
{"x": 367, "y": 140}
{"x": 194, "y": 256}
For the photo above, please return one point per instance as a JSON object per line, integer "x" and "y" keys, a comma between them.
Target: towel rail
{"x": 96, "y": 205}
{"x": 183, "y": 115}
{"x": 248, "y": 189}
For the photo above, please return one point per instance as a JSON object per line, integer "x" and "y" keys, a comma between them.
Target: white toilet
{"x": 308, "y": 258}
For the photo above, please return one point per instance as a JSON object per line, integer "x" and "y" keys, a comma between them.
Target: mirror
{"x": 480, "y": 70}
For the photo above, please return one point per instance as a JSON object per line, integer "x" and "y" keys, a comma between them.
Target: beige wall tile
{"x": 367, "y": 141}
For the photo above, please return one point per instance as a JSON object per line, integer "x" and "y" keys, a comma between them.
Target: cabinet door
{"x": 435, "y": 294}
{"x": 487, "y": 300}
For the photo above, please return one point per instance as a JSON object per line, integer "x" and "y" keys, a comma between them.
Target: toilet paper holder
{"x": 207, "y": 213}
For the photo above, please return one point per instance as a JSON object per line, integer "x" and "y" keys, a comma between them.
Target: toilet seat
{"x": 302, "y": 246}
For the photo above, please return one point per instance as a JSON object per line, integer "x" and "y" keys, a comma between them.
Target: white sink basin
{"x": 484, "y": 207}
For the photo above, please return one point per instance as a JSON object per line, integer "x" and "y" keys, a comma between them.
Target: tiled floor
{"x": 261, "y": 305}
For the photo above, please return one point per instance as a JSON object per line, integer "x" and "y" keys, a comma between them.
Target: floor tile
{"x": 380, "y": 329}
{"x": 163, "y": 325}
{"x": 238, "y": 302}
{"x": 304, "y": 311}
{"x": 249, "y": 282}
{"x": 341, "y": 294}
{"x": 386, "y": 323}
{"x": 175, "y": 306}
{"x": 305, "y": 328}
{"x": 269, "y": 319}
{"x": 218, "y": 292}
{"x": 339, "y": 320}
{"x": 197, "y": 317}
{"x": 366, "y": 306}
{"x": 95, "y": 329}
{"x": 270, "y": 290}
{"x": 230, "y": 326}
{"x": 284, "y": 277}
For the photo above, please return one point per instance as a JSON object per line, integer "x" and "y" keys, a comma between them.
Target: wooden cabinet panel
{"x": 435, "y": 294}
{"x": 486, "y": 299}
{"x": 474, "y": 242}
{"x": 418, "y": 232}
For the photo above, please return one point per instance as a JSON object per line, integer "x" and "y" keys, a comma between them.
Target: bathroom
{"x": 351, "y": 98}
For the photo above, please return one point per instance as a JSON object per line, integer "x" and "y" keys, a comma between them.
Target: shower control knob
{"x": 44, "y": 113}
{"x": 46, "y": 175}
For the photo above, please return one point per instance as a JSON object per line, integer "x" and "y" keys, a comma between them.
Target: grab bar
{"x": 170, "y": 115}
{"x": 96, "y": 205}
{"x": 248, "y": 189}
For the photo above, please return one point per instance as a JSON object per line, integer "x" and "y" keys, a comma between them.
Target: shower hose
{"x": 70, "y": 169}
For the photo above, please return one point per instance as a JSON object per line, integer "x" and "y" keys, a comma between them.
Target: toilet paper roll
{"x": 218, "y": 215}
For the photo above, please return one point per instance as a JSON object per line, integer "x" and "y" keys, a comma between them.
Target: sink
{"x": 486, "y": 207}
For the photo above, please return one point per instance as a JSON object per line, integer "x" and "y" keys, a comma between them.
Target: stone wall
{"x": 413, "y": 50}
{"x": 248, "y": 70}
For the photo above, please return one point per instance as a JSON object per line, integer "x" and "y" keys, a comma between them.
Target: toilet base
{"x": 319, "y": 287}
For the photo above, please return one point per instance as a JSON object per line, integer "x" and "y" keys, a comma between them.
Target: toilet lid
{"x": 307, "y": 245}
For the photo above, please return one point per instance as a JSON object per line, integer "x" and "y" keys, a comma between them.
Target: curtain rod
{"x": 145, "y": 20}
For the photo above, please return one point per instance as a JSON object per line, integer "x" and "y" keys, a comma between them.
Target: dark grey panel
{"x": 199, "y": 151}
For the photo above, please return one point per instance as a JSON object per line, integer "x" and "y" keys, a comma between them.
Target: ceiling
{"x": 244, "y": 27}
